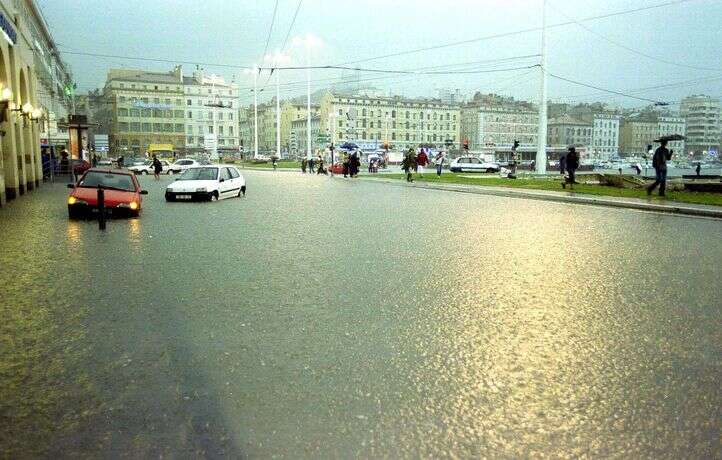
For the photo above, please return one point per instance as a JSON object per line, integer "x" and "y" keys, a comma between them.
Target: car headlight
{"x": 72, "y": 200}
{"x": 132, "y": 205}
{"x": 201, "y": 189}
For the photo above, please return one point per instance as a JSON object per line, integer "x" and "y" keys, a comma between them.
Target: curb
{"x": 570, "y": 197}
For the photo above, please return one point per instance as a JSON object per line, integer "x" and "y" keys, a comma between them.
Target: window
{"x": 393, "y": 114}
{"x": 179, "y": 127}
{"x": 189, "y": 102}
{"x": 178, "y": 113}
{"x": 167, "y": 127}
{"x": 210, "y": 130}
{"x": 234, "y": 173}
{"x": 156, "y": 99}
{"x": 190, "y": 140}
{"x": 157, "y": 128}
{"x": 230, "y": 116}
{"x": 190, "y": 114}
{"x": 220, "y": 116}
{"x": 225, "y": 174}
{"x": 220, "y": 130}
{"x": 393, "y": 136}
{"x": 122, "y": 86}
{"x": 132, "y": 86}
{"x": 147, "y": 128}
{"x": 230, "y": 130}
{"x": 121, "y": 99}
{"x": 135, "y": 126}
{"x": 134, "y": 113}
{"x": 157, "y": 113}
{"x": 122, "y": 112}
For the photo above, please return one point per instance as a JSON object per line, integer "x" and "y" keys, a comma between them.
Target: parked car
{"x": 147, "y": 167}
{"x": 181, "y": 165}
{"x": 207, "y": 183}
{"x": 121, "y": 188}
{"x": 473, "y": 164}
{"x": 105, "y": 163}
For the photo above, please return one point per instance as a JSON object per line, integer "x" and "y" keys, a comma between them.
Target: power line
{"x": 405, "y": 72}
{"x": 619, "y": 93}
{"x": 145, "y": 59}
{"x": 631, "y": 50}
{"x": 270, "y": 30}
{"x": 290, "y": 28}
{"x": 521, "y": 31}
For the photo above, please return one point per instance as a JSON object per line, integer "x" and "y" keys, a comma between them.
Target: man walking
{"x": 439, "y": 161}
{"x": 572, "y": 164}
{"x": 421, "y": 161}
{"x": 659, "y": 163}
{"x": 409, "y": 165}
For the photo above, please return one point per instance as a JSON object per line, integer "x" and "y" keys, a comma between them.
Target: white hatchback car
{"x": 472, "y": 164}
{"x": 181, "y": 165}
{"x": 147, "y": 167}
{"x": 211, "y": 182}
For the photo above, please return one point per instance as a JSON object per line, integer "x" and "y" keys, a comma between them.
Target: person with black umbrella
{"x": 659, "y": 163}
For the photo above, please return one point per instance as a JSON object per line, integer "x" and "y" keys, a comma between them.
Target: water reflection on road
{"x": 330, "y": 317}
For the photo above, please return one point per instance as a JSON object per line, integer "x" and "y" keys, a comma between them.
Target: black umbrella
{"x": 348, "y": 146}
{"x": 671, "y": 137}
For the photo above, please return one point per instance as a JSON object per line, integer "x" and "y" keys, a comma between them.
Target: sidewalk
{"x": 671, "y": 207}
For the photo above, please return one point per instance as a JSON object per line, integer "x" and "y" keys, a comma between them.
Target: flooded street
{"x": 321, "y": 317}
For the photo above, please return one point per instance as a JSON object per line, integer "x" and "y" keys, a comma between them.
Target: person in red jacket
{"x": 421, "y": 161}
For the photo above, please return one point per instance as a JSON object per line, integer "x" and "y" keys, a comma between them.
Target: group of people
{"x": 314, "y": 165}
{"x": 416, "y": 163}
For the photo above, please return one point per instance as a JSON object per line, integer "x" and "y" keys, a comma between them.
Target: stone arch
{"x": 8, "y": 170}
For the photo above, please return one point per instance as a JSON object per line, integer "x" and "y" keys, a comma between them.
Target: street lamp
{"x": 254, "y": 71}
{"x": 276, "y": 59}
{"x": 309, "y": 42}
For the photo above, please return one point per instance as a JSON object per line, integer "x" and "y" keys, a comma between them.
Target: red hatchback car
{"x": 121, "y": 189}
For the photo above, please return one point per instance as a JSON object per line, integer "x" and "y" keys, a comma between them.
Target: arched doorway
{"x": 8, "y": 160}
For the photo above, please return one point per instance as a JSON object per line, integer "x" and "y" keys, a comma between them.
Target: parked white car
{"x": 181, "y": 165}
{"x": 472, "y": 164}
{"x": 147, "y": 167}
{"x": 212, "y": 182}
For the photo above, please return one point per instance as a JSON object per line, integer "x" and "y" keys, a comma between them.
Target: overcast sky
{"x": 235, "y": 33}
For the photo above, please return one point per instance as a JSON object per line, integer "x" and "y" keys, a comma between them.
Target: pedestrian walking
{"x": 409, "y": 165}
{"x": 698, "y": 169}
{"x": 354, "y": 164}
{"x": 563, "y": 169}
{"x": 422, "y": 159}
{"x": 321, "y": 169}
{"x": 439, "y": 162}
{"x": 94, "y": 160}
{"x": 304, "y": 164}
{"x": 311, "y": 164}
{"x": 120, "y": 161}
{"x": 659, "y": 163}
{"x": 345, "y": 164}
{"x": 157, "y": 167}
{"x": 572, "y": 164}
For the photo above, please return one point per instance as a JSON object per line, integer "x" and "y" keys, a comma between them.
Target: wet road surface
{"x": 324, "y": 317}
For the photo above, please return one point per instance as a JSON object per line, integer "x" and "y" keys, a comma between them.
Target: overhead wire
{"x": 627, "y": 48}
{"x": 270, "y": 30}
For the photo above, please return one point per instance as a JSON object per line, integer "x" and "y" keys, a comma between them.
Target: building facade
{"x": 370, "y": 121}
{"x": 299, "y": 136}
{"x": 211, "y": 112}
{"x": 702, "y": 114}
{"x": 669, "y": 125}
{"x": 499, "y": 125}
{"x": 29, "y": 66}
{"x": 145, "y": 108}
{"x": 566, "y": 131}
{"x": 605, "y": 136}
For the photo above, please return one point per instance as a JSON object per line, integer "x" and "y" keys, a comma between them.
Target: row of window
{"x": 209, "y": 115}
{"x": 189, "y": 102}
{"x": 409, "y": 115}
{"x": 407, "y": 137}
{"x": 199, "y": 140}
{"x": 149, "y": 113}
{"x": 378, "y": 102}
{"x": 136, "y": 127}
{"x": 149, "y": 87}
{"x": 406, "y": 125}
{"x": 221, "y": 131}
{"x": 147, "y": 100}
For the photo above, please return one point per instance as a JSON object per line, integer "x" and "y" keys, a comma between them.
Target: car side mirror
{"x": 71, "y": 185}
{"x": 144, "y": 192}
{"x": 221, "y": 180}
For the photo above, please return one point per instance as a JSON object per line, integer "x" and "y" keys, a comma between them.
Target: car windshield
{"x": 200, "y": 174}
{"x": 93, "y": 179}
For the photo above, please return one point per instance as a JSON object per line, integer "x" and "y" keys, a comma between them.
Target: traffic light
{"x": 466, "y": 144}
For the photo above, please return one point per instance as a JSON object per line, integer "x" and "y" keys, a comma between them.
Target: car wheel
{"x": 490, "y": 170}
{"x": 170, "y": 172}
{"x": 169, "y": 197}
{"x": 213, "y": 196}
{"x": 143, "y": 173}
